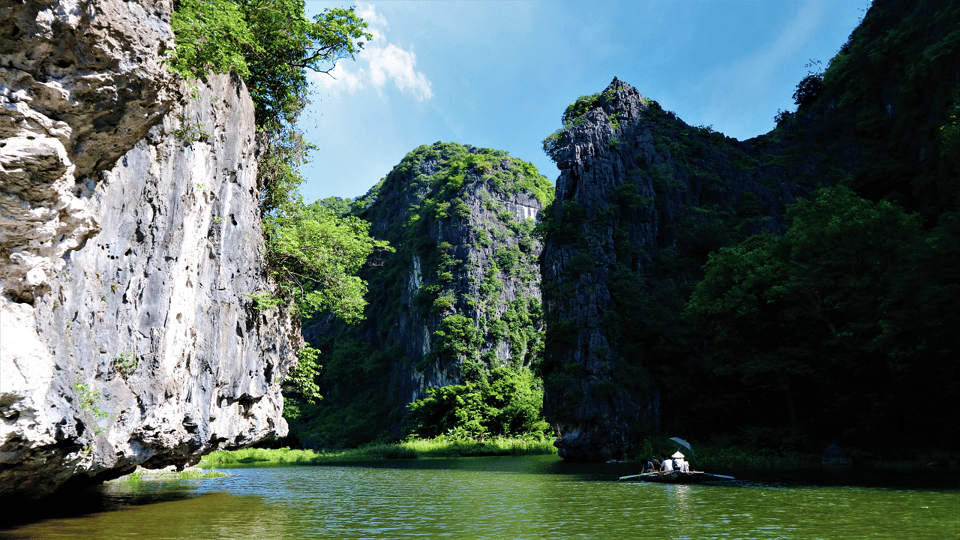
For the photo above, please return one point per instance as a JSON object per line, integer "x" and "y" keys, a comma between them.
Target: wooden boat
{"x": 676, "y": 477}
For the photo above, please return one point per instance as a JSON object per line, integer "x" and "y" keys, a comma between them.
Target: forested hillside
{"x": 842, "y": 329}
{"x": 456, "y": 306}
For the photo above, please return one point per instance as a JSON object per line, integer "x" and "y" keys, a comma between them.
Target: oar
{"x": 637, "y": 475}
{"x": 720, "y": 476}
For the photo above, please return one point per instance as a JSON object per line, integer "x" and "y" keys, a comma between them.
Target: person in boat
{"x": 679, "y": 464}
{"x": 667, "y": 464}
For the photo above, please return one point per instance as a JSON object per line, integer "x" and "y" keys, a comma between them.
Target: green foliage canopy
{"x": 211, "y": 37}
{"x": 317, "y": 256}
{"x": 269, "y": 43}
{"x": 835, "y": 327}
{"x": 808, "y": 90}
{"x": 503, "y": 402}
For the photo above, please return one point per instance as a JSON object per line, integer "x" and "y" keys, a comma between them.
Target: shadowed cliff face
{"x": 130, "y": 234}
{"x": 641, "y": 200}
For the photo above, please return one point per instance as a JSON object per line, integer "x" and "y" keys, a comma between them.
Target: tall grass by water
{"x": 419, "y": 448}
{"x": 709, "y": 456}
{"x": 189, "y": 474}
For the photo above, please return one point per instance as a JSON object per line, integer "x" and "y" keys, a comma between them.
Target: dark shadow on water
{"x": 103, "y": 498}
{"x": 927, "y": 479}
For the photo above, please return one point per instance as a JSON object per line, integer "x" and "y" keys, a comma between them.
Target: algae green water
{"x": 528, "y": 497}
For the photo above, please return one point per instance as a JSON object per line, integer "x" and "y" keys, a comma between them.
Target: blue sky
{"x": 499, "y": 73}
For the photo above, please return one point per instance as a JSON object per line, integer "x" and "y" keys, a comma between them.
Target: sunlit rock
{"x": 129, "y": 238}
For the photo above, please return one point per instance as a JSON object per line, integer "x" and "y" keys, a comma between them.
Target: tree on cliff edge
{"x": 313, "y": 254}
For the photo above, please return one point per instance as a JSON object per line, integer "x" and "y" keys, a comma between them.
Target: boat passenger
{"x": 667, "y": 466}
{"x": 679, "y": 463}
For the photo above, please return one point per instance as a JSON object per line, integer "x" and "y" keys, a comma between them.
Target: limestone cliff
{"x": 460, "y": 293}
{"x": 641, "y": 200}
{"x": 130, "y": 235}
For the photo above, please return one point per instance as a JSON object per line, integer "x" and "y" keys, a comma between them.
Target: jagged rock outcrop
{"x": 461, "y": 291}
{"x": 641, "y": 200}
{"x": 130, "y": 235}
{"x": 80, "y": 84}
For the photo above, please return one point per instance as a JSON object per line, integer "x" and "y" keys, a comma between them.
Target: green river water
{"x": 528, "y": 497}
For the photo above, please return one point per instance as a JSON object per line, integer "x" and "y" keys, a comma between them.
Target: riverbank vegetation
{"x": 188, "y": 474}
{"x": 439, "y": 447}
{"x": 708, "y": 456}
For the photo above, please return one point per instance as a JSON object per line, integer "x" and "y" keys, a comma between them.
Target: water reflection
{"x": 211, "y": 515}
{"x": 489, "y": 498}
{"x": 104, "y": 498}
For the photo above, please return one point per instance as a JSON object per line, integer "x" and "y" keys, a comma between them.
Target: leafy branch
{"x": 312, "y": 256}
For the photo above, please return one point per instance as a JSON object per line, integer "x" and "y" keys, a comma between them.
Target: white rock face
{"x": 129, "y": 238}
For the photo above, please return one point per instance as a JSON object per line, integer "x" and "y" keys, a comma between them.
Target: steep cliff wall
{"x": 130, "y": 234}
{"x": 641, "y": 200}
{"x": 461, "y": 292}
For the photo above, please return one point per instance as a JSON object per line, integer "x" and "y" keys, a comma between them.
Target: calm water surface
{"x": 530, "y": 497}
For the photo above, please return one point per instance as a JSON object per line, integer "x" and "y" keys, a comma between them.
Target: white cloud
{"x": 392, "y": 62}
{"x": 378, "y": 63}
{"x": 338, "y": 79}
{"x": 368, "y": 13}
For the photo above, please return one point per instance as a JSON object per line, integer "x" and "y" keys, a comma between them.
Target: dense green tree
{"x": 808, "y": 90}
{"x": 211, "y": 36}
{"x": 316, "y": 257}
{"x": 829, "y": 327}
{"x": 340, "y": 206}
{"x": 501, "y": 402}
{"x": 269, "y": 43}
